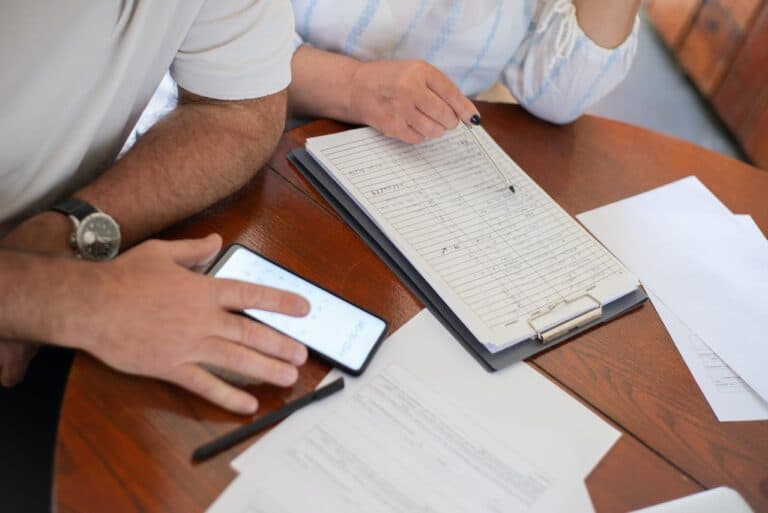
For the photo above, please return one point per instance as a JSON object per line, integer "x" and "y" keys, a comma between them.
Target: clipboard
{"x": 366, "y": 229}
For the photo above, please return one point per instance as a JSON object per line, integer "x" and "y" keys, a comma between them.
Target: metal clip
{"x": 546, "y": 336}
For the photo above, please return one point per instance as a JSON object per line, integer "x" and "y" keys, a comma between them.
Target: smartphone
{"x": 335, "y": 330}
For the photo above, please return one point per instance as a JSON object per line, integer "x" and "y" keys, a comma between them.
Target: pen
{"x": 226, "y": 441}
{"x": 509, "y": 184}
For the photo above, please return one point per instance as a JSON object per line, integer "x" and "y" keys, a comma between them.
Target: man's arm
{"x": 201, "y": 152}
{"x": 148, "y": 313}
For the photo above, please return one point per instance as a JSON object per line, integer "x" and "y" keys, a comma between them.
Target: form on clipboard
{"x": 506, "y": 269}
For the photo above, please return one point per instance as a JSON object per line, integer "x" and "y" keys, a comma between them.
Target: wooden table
{"x": 124, "y": 442}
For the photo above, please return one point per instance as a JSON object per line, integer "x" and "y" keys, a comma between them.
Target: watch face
{"x": 98, "y": 237}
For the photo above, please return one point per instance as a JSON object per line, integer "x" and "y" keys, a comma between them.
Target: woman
{"x": 406, "y": 67}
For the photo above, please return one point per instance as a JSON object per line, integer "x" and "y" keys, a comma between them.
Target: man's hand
{"x": 14, "y": 360}
{"x": 407, "y": 100}
{"x": 151, "y": 315}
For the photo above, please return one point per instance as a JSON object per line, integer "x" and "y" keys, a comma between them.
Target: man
{"x": 76, "y": 76}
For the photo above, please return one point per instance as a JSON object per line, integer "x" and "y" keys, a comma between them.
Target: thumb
{"x": 195, "y": 253}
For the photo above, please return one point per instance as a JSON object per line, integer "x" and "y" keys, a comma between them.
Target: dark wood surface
{"x": 124, "y": 442}
{"x": 722, "y": 45}
{"x": 672, "y": 19}
{"x": 742, "y": 99}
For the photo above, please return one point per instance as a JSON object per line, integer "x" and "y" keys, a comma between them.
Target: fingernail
{"x": 300, "y": 357}
{"x": 251, "y": 406}
{"x": 475, "y": 119}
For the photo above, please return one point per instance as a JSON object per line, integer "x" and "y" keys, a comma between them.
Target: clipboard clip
{"x": 579, "y": 310}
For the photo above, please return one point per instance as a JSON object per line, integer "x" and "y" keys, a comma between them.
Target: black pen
{"x": 224, "y": 442}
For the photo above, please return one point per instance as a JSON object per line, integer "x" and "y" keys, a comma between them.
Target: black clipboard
{"x": 366, "y": 229}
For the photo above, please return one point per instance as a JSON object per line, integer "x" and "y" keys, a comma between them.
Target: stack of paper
{"x": 426, "y": 430}
{"x": 706, "y": 271}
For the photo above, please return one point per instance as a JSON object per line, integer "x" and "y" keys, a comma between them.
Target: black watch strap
{"x": 74, "y": 207}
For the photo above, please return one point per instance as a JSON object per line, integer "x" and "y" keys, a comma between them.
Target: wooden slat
{"x": 672, "y": 18}
{"x": 717, "y": 33}
{"x": 742, "y": 99}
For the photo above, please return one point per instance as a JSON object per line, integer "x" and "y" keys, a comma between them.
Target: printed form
{"x": 419, "y": 434}
{"x": 497, "y": 258}
{"x": 706, "y": 271}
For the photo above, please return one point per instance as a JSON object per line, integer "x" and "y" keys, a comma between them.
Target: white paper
{"x": 727, "y": 394}
{"x": 716, "y": 500}
{"x": 495, "y": 257}
{"x": 424, "y": 427}
{"x": 701, "y": 261}
{"x": 750, "y": 225}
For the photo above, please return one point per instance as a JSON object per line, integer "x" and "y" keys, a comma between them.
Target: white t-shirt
{"x": 535, "y": 47}
{"x": 76, "y": 75}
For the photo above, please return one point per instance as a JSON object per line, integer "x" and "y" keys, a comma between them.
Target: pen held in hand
{"x": 226, "y": 441}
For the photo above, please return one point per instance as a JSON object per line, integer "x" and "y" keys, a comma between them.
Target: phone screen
{"x": 334, "y": 328}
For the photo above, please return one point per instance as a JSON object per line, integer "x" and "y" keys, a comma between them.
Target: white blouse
{"x": 536, "y": 48}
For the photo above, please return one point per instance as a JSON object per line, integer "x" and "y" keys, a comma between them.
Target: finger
{"x": 204, "y": 384}
{"x": 15, "y": 358}
{"x": 437, "y": 109}
{"x": 231, "y": 356}
{"x": 447, "y": 90}
{"x": 241, "y": 295}
{"x": 427, "y": 127}
{"x": 11, "y": 374}
{"x": 262, "y": 338}
{"x": 192, "y": 253}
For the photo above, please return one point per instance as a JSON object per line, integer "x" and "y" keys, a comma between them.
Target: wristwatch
{"x": 96, "y": 236}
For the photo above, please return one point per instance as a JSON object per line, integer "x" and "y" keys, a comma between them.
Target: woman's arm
{"x": 575, "y": 54}
{"x": 607, "y": 22}
{"x": 408, "y": 100}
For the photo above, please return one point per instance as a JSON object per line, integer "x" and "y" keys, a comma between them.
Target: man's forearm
{"x": 607, "y": 22}
{"x": 201, "y": 152}
{"x": 36, "y": 292}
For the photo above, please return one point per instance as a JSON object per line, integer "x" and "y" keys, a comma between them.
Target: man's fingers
{"x": 204, "y": 384}
{"x": 447, "y": 90}
{"x": 239, "y": 295}
{"x": 437, "y": 109}
{"x": 194, "y": 253}
{"x": 231, "y": 356}
{"x": 262, "y": 338}
{"x": 14, "y": 362}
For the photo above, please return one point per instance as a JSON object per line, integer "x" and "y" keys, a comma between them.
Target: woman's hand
{"x": 408, "y": 100}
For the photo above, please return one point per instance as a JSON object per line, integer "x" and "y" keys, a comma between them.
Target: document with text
{"x": 415, "y": 435}
{"x": 708, "y": 267}
{"x": 508, "y": 264}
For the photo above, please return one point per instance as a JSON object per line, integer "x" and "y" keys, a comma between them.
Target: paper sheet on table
{"x": 727, "y": 394}
{"x": 751, "y": 226}
{"x": 424, "y": 428}
{"x": 716, "y": 500}
{"x": 687, "y": 248}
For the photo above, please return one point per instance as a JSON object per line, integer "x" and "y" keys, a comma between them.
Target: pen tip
{"x": 475, "y": 119}
{"x": 512, "y": 188}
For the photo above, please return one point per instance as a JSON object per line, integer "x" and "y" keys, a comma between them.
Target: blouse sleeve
{"x": 558, "y": 72}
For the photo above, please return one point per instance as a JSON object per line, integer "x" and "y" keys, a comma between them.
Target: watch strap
{"x": 74, "y": 207}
